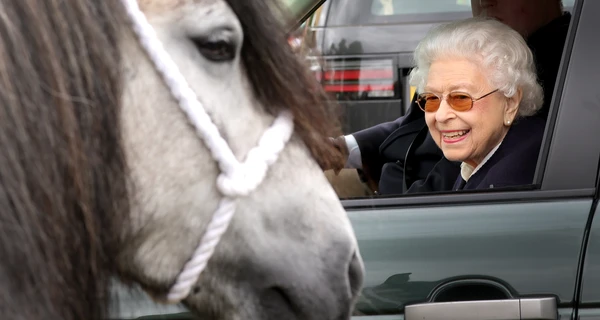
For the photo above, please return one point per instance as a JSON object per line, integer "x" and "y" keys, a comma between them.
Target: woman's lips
{"x": 454, "y": 136}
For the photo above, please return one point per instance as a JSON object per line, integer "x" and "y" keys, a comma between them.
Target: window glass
{"x": 353, "y": 12}
{"x": 400, "y": 7}
{"x": 365, "y": 48}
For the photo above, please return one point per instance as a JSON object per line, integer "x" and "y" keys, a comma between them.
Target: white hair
{"x": 491, "y": 44}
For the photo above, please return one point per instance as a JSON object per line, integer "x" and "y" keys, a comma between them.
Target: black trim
{"x": 498, "y": 284}
{"x": 296, "y": 24}
{"x": 572, "y": 161}
{"x": 589, "y": 305}
{"x": 581, "y": 261}
{"x": 597, "y": 194}
{"x": 559, "y": 87}
{"x": 463, "y": 198}
{"x": 577, "y": 295}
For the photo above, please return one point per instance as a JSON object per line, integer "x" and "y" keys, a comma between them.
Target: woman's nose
{"x": 444, "y": 112}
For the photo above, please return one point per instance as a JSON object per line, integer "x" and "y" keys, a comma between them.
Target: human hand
{"x": 340, "y": 144}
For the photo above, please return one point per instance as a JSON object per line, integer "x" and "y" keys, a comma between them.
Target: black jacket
{"x": 514, "y": 162}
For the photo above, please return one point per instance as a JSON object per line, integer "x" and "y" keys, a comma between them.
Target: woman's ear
{"x": 512, "y": 107}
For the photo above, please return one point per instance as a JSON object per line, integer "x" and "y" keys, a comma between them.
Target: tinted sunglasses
{"x": 458, "y": 101}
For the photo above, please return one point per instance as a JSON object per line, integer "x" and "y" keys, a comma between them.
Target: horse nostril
{"x": 355, "y": 275}
{"x": 278, "y": 304}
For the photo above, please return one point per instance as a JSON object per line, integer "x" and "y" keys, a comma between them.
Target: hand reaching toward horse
{"x": 339, "y": 143}
{"x": 352, "y": 182}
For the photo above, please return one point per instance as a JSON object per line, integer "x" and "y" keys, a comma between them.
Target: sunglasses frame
{"x": 445, "y": 97}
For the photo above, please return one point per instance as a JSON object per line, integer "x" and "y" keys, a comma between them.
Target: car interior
{"x": 340, "y": 71}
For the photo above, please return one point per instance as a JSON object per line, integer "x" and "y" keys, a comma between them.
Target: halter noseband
{"x": 236, "y": 179}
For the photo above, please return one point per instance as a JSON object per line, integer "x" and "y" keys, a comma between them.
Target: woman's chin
{"x": 452, "y": 156}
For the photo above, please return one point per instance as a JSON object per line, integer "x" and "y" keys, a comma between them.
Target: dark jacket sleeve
{"x": 370, "y": 140}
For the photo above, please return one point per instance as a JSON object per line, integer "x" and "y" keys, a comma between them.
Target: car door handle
{"x": 509, "y": 309}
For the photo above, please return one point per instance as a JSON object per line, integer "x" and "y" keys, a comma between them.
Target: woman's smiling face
{"x": 467, "y": 136}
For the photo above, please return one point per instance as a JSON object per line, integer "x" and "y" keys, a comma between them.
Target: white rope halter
{"x": 236, "y": 179}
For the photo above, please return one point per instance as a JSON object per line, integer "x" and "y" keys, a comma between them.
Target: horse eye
{"x": 215, "y": 50}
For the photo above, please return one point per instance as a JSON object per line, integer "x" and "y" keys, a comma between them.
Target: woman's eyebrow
{"x": 452, "y": 87}
{"x": 464, "y": 85}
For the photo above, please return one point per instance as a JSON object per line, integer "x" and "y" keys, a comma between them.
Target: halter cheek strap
{"x": 236, "y": 179}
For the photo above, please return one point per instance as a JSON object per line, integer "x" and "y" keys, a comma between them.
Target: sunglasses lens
{"x": 460, "y": 101}
{"x": 429, "y": 102}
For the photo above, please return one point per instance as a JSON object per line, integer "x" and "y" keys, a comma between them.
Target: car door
{"x": 501, "y": 254}
{"x": 588, "y": 297}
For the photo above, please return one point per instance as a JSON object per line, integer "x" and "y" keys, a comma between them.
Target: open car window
{"x": 400, "y": 7}
{"x": 381, "y": 12}
{"x": 361, "y": 52}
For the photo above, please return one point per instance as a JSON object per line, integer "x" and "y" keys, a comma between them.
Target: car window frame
{"x": 560, "y": 170}
{"x": 299, "y": 11}
{"x": 549, "y": 180}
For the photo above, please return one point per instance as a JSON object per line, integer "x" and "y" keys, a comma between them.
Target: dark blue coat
{"x": 514, "y": 162}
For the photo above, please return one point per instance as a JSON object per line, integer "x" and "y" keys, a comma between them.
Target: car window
{"x": 353, "y": 12}
{"x": 361, "y": 51}
{"x": 406, "y": 7}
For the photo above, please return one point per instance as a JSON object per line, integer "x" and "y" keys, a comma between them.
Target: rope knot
{"x": 242, "y": 180}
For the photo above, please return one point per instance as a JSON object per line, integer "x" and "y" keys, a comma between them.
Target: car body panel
{"x": 531, "y": 248}
{"x": 589, "y": 304}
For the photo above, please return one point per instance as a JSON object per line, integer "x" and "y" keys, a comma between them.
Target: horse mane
{"x": 63, "y": 175}
{"x": 282, "y": 81}
{"x": 63, "y": 202}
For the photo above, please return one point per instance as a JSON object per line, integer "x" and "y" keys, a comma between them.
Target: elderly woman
{"x": 478, "y": 89}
